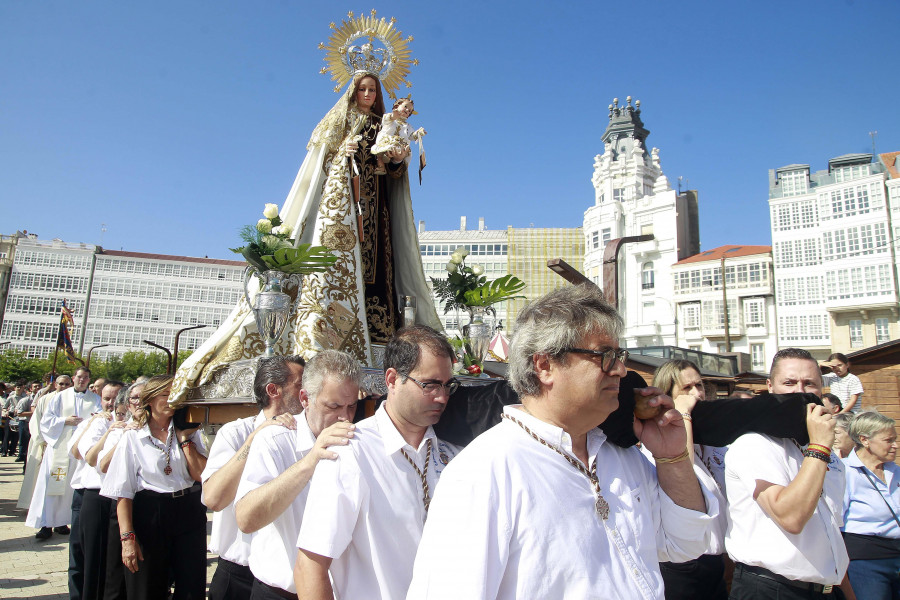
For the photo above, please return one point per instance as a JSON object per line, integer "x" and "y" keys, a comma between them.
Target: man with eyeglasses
{"x": 543, "y": 505}
{"x": 366, "y": 510}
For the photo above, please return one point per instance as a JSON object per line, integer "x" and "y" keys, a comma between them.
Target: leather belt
{"x": 817, "y": 588}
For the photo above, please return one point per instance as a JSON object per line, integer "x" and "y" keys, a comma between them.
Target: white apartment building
{"x": 44, "y": 273}
{"x": 137, "y": 297}
{"x": 749, "y": 288}
{"x": 835, "y": 265}
{"x": 632, "y": 197}
{"x": 117, "y": 298}
{"x": 487, "y": 247}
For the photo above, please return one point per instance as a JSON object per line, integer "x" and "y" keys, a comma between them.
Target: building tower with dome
{"x": 632, "y": 197}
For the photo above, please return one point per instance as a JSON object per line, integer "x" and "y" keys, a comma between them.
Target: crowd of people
{"x": 540, "y": 486}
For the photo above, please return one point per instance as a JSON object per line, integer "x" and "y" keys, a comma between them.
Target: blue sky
{"x": 174, "y": 122}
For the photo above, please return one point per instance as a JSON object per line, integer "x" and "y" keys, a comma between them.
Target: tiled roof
{"x": 727, "y": 252}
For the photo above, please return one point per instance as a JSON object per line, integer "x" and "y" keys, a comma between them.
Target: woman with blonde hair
{"x": 704, "y": 576}
{"x": 871, "y": 508}
{"x": 162, "y": 523}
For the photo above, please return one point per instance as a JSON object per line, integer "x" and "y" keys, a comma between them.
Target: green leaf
{"x": 302, "y": 259}
{"x": 499, "y": 290}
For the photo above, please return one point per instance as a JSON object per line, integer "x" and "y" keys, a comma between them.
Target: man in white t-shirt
{"x": 271, "y": 497}
{"x": 785, "y": 501}
{"x": 276, "y": 388}
{"x": 366, "y": 510}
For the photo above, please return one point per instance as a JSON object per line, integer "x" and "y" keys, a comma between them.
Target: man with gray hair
{"x": 271, "y": 496}
{"x": 785, "y": 501}
{"x": 276, "y": 388}
{"x": 542, "y": 505}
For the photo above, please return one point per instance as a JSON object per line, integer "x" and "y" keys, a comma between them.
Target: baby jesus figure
{"x": 396, "y": 133}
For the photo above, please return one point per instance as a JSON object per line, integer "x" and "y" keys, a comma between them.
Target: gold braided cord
{"x": 423, "y": 475}
{"x": 600, "y": 503}
{"x": 342, "y": 50}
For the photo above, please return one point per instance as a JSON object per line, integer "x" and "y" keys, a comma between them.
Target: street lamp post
{"x": 87, "y": 362}
{"x": 175, "y": 351}
{"x": 167, "y": 351}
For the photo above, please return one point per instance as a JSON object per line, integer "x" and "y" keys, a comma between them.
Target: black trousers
{"x": 171, "y": 533}
{"x": 24, "y": 436}
{"x": 699, "y": 579}
{"x": 10, "y": 439}
{"x": 94, "y": 526}
{"x": 261, "y": 591}
{"x": 114, "y": 578}
{"x": 231, "y": 581}
{"x": 750, "y": 586}
{"x": 76, "y": 549}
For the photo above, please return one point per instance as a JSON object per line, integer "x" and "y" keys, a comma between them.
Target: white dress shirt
{"x": 513, "y": 519}
{"x": 91, "y": 477}
{"x": 817, "y": 553}
{"x": 226, "y": 539}
{"x": 139, "y": 464}
{"x": 273, "y": 548}
{"x": 78, "y": 464}
{"x": 366, "y": 511}
{"x": 710, "y": 486}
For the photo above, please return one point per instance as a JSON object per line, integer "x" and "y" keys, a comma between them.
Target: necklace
{"x": 423, "y": 475}
{"x": 601, "y": 505}
{"x": 167, "y": 450}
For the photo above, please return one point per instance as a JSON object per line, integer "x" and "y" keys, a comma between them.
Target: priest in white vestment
{"x": 36, "y": 443}
{"x": 51, "y": 504}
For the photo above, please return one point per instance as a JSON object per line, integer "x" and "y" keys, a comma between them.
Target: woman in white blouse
{"x": 162, "y": 523}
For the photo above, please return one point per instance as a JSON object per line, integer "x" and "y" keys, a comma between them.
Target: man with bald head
{"x": 785, "y": 501}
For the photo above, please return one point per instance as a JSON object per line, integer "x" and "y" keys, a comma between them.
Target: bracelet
{"x": 817, "y": 454}
{"x": 128, "y": 535}
{"x": 687, "y": 417}
{"x": 674, "y": 459}
{"x": 185, "y": 444}
{"x": 820, "y": 448}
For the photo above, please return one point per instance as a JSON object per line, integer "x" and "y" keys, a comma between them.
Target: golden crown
{"x": 389, "y": 62}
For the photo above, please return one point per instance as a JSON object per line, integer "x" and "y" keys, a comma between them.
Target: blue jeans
{"x": 875, "y": 578}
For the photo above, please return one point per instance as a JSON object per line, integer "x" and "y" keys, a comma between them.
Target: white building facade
{"x": 632, "y": 197}
{"x": 117, "y": 298}
{"x": 749, "y": 289}
{"x": 835, "y": 269}
{"x": 43, "y": 274}
{"x": 487, "y": 247}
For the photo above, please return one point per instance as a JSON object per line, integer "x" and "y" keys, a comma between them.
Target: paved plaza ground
{"x": 30, "y": 568}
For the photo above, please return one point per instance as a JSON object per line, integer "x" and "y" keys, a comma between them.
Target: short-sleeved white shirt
{"x": 844, "y": 387}
{"x": 273, "y": 548}
{"x": 139, "y": 464}
{"x": 817, "y": 554}
{"x": 366, "y": 511}
{"x": 226, "y": 539}
{"x": 90, "y": 477}
{"x": 514, "y": 519}
{"x": 78, "y": 465}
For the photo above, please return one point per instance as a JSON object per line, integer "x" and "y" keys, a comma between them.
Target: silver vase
{"x": 271, "y": 306}
{"x": 478, "y": 333}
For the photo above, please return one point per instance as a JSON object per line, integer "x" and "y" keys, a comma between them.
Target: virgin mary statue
{"x": 359, "y": 301}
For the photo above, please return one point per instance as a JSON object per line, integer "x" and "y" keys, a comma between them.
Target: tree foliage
{"x": 15, "y": 365}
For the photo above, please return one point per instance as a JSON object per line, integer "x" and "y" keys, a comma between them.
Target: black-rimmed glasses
{"x": 430, "y": 388}
{"x": 608, "y": 357}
